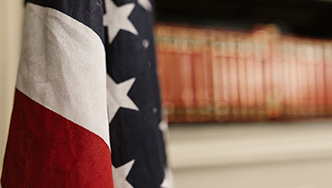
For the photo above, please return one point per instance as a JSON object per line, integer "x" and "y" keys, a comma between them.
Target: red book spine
{"x": 254, "y": 77}
{"x": 267, "y": 72}
{"x": 182, "y": 74}
{"x": 300, "y": 80}
{"x": 242, "y": 73}
{"x": 294, "y": 75}
{"x": 319, "y": 78}
{"x": 258, "y": 59}
{"x": 162, "y": 55}
{"x": 304, "y": 78}
{"x": 200, "y": 68}
{"x": 275, "y": 93}
{"x": 311, "y": 78}
{"x": 283, "y": 83}
{"x": 231, "y": 63}
{"x": 328, "y": 76}
{"x": 209, "y": 75}
{"x": 166, "y": 57}
{"x": 219, "y": 76}
{"x": 287, "y": 77}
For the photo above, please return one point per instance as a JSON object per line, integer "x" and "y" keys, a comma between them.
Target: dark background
{"x": 300, "y": 17}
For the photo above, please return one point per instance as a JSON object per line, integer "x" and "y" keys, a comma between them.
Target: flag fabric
{"x": 134, "y": 107}
{"x": 59, "y": 129}
{"x": 66, "y": 105}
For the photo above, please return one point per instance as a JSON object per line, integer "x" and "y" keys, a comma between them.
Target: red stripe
{"x": 46, "y": 150}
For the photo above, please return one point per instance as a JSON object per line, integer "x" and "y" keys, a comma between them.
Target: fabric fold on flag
{"x": 59, "y": 133}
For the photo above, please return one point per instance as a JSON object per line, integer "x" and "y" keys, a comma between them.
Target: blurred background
{"x": 246, "y": 87}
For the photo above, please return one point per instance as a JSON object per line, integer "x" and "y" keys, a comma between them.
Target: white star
{"x": 117, "y": 96}
{"x": 120, "y": 174}
{"x": 168, "y": 179}
{"x": 163, "y": 126}
{"x": 145, "y": 43}
{"x": 116, "y": 18}
{"x": 145, "y": 4}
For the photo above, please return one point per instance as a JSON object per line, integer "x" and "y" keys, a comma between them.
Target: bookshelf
{"x": 231, "y": 70}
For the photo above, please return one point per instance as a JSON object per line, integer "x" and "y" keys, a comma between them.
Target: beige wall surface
{"x": 11, "y": 12}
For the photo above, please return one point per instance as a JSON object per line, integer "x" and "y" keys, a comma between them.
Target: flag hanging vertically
{"x": 68, "y": 111}
{"x": 59, "y": 134}
{"x": 134, "y": 108}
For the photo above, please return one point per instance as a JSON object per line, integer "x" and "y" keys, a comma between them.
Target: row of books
{"x": 209, "y": 74}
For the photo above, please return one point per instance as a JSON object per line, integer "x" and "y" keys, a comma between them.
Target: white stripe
{"x": 63, "y": 68}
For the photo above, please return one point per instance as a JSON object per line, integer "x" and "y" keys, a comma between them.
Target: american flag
{"x": 87, "y": 92}
{"x": 134, "y": 108}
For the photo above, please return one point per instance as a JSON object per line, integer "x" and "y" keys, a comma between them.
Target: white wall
{"x": 11, "y": 12}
